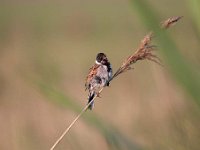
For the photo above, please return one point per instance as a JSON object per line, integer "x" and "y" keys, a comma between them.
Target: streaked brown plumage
{"x": 91, "y": 74}
{"x": 99, "y": 75}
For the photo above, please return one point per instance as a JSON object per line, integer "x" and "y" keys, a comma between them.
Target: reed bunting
{"x": 98, "y": 77}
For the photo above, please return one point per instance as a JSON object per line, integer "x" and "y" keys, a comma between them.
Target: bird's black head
{"x": 101, "y": 59}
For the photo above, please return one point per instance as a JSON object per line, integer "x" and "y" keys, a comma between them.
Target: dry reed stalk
{"x": 144, "y": 52}
{"x": 73, "y": 122}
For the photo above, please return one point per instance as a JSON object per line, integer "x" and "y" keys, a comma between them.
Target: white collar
{"x": 97, "y": 62}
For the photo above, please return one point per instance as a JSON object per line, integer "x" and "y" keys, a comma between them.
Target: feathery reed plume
{"x": 170, "y": 21}
{"x": 144, "y": 52}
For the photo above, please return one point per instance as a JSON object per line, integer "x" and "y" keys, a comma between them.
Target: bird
{"x": 98, "y": 77}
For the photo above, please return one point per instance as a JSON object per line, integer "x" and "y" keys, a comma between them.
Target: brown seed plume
{"x": 170, "y": 21}
{"x": 143, "y": 52}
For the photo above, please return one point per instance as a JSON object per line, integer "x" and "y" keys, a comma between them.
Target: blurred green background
{"x": 46, "y": 49}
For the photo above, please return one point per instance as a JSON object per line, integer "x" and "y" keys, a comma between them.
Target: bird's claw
{"x": 98, "y": 95}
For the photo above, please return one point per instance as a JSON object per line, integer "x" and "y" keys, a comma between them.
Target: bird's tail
{"x": 90, "y": 98}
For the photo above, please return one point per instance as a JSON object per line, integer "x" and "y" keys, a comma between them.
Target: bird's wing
{"x": 91, "y": 75}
